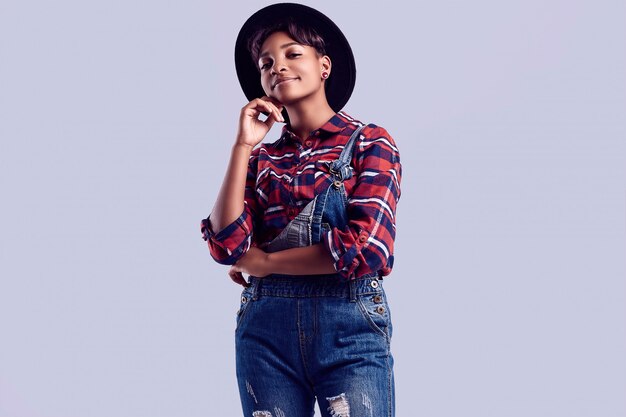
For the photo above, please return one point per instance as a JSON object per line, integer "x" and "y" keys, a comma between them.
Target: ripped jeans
{"x": 302, "y": 337}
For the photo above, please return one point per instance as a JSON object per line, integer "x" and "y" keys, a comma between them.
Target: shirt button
{"x": 308, "y": 143}
{"x": 362, "y": 238}
{"x": 317, "y": 133}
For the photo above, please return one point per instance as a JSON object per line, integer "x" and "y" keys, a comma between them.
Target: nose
{"x": 278, "y": 66}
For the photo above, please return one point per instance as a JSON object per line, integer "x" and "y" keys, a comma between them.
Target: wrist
{"x": 243, "y": 146}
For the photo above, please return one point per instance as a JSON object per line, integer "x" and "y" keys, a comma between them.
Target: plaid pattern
{"x": 285, "y": 175}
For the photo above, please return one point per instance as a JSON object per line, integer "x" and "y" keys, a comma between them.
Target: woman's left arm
{"x": 367, "y": 244}
{"x": 313, "y": 259}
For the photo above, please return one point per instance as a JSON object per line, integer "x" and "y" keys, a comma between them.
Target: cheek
{"x": 266, "y": 86}
{"x": 307, "y": 70}
{"x": 308, "y": 82}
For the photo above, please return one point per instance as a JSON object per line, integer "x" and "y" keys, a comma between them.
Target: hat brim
{"x": 340, "y": 83}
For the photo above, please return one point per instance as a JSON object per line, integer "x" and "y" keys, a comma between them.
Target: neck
{"x": 306, "y": 117}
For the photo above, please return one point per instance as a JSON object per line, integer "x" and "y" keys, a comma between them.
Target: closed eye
{"x": 294, "y": 54}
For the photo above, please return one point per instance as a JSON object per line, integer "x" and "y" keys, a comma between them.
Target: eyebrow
{"x": 282, "y": 47}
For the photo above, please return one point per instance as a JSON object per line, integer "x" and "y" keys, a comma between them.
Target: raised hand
{"x": 251, "y": 129}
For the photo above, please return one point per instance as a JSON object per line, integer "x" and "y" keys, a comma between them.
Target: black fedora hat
{"x": 339, "y": 84}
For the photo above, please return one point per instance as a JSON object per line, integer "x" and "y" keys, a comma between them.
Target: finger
{"x": 237, "y": 277}
{"x": 244, "y": 282}
{"x": 279, "y": 115}
{"x": 273, "y": 100}
{"x": 271, "y": 119}
{"x": 276, "y": 105}
{"x": 262, "y": 106}
{"x": 231, "y": 275}
{"x": 279, "y": 110}
{"x": 233, "y": 270}
{"x": 275, "y": 113}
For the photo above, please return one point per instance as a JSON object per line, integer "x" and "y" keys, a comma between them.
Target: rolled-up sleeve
{"x": 366, "y": 245}
{"x": 233, "y": 241}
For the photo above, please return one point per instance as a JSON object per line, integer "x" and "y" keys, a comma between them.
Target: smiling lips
{"x": 279, "y": 82}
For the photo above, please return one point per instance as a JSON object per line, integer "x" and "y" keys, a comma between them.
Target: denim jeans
{"x": 302, "y": 337}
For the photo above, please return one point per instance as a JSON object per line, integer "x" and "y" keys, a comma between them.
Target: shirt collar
{"x": 337, "y": 123}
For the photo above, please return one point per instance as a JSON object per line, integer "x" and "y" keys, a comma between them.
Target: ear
{"x": 326, "y": 63}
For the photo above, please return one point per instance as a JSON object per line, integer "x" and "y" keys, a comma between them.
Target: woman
{"x": 311, "y": 219}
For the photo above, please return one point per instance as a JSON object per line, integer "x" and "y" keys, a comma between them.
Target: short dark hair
{"x": 300, "y": 32}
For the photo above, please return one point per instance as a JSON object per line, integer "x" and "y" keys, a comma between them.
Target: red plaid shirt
{"x": 285, "y": 175}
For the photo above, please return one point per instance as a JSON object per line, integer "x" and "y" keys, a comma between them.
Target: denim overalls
{"x": 302, "y": 337}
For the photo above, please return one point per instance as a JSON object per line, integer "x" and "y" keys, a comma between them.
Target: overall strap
{"x": 341, "y": 166}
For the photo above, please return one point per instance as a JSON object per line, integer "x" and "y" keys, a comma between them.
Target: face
{"x": 283, "y": 58}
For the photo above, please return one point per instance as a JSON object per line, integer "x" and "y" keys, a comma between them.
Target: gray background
{"x": 507, "y": 294}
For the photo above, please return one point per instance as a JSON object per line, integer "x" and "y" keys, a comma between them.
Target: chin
{"x": 291, "y": 97}
{"x": 286, "y": 99}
